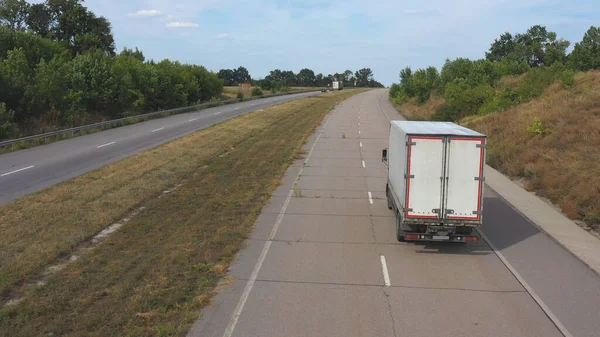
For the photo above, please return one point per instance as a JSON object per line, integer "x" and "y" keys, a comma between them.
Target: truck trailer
{"x": 435, "y": 180}
{"x": 338, "y": 85}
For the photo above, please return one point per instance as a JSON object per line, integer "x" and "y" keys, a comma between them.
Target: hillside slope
{"x": 557, "y": 157}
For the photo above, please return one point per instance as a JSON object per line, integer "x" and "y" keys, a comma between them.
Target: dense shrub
{"x": 257, "y": 91}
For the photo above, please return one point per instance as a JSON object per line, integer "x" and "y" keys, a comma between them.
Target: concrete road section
{"x": 26, "y": 171}
{"x": 323, "y": 259}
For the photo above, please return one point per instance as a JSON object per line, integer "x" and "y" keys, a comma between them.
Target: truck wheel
{"x": 399, "y": 231}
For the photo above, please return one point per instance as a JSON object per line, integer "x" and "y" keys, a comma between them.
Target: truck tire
{"x": 399, "y": 231}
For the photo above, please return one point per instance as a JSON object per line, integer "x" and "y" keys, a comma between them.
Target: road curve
{"x": 323, "y": 259}
{"x": 27, "y": 171}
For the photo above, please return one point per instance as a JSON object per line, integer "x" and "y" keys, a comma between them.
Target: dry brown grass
{"x": 420, "y": 112}
{"x": 562, "y": 164}
{"x": 152, "y": 276}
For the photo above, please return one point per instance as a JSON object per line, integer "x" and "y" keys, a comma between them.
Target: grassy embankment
{"x": 154, "y": 275}
{"x": 557, "y": 157}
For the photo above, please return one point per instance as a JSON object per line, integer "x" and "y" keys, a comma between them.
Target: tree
{"x": 319, "y": 80}
{"x": 241, "y": 75}
{"x": 363, "y": 76}
{"x": 38, "y": 20}
{"x": 137, "y": 54}
{"x": 501, "y": 48}
{"x": 535, "y": 47}
{"x": 16, "y": 76}
{"x": 227, "y": 76}
{"x": 348, "y": 78}
{"x": 459, "y": 68}
{"x": 586, "y": 54}
{"x": 7, "y": 125}
{"x": 306, "y": 78}
{"x": 13, "y": 13}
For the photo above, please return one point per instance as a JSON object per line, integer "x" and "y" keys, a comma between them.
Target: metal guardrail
{"x": 145, "y": 116}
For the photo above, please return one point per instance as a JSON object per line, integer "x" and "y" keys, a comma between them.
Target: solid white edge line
{"x": 103, "y": 145}
{"x": 386, "y": 275}
{"x": 157, "y": 129}
{"x": 15, "y": 171}
{"x": 370, "y": 197}
{"x": 240, "y": 306}
{"x": 529, "y": 290}
{"x": 364, "y": 166}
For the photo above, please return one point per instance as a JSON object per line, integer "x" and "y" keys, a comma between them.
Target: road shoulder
{"x": 561, "y": 229}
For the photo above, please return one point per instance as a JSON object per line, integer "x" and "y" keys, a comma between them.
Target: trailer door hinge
{"x": 408, "y": 209}
{"x": 436, "y": 211}
{"x": 477, "y": 212}
{"x": 481, "y": 146}
{"x": 480, "y": 178}
{"x": 449, "y": 211}
{"x": 409, "y": 176}
{"x": 411, "y": 143}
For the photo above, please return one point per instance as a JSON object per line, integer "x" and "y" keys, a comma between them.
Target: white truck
{"x": 435, "y": 180}
{"x": 338, "y": 85}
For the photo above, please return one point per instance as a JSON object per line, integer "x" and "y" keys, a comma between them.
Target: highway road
{"x": 323, "y": 259}
{"x": 27, "y": 171}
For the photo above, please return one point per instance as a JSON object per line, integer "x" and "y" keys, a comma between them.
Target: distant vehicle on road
{"x": 435, "y": 180}
{"x": 338, "y": 85}
{"x": 323, "y": 90}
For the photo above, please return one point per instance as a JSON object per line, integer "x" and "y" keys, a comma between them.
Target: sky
{"x": 330, "y": 36}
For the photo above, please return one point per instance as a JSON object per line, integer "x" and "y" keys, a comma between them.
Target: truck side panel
{"x": 424, "y": 183}
{"x": 397, "y": 165}
{"x": 464, "y": 183}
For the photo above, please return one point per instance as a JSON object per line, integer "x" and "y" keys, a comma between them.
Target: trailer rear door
{"x": 464, "y": 175}
{"x": 424, "y": 172}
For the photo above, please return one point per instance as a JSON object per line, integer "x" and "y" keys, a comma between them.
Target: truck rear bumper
{"x": 440, "y": 238}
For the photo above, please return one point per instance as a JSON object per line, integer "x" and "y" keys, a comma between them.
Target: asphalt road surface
{"x": 27, "y": 171}
{"x": 323, "y": 259}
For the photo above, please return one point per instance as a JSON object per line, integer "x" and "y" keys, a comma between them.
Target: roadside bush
{"x": 537, "y": 128}
{"x": 7, "y": 125}
{"x": 395, "y": 90}
{"x": 257, "y": 91}
{"x": 285, "y": 89}
{"x": 567, "y": 78}
{"x": 401, "y": 98}
{"x": 240, "y": 94}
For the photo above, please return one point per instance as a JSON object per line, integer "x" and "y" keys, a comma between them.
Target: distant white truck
{"x": 338, "y": 85}
{"x": 435, "y": 180}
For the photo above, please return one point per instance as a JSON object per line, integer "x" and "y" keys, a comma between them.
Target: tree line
{"x": 475, "y": 87}
{"x": 304, "y": 78}
{"x": 59, "y": 69}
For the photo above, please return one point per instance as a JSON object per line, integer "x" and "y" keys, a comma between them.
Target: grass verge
{"x": 153, "y": 276}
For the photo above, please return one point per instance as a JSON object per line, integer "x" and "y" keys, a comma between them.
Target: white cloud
{"x": 145, "y": 12}
{"x": 181, "y": 25}
{"x": 222, "y": 36}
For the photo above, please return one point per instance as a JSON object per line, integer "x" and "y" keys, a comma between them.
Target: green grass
{"x": 154, "y": 275}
